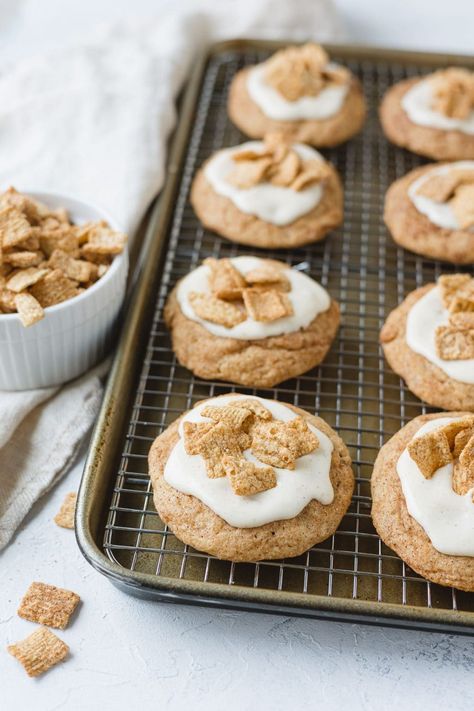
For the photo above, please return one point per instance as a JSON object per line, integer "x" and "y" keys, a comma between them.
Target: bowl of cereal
{"x": 63, "y": 270}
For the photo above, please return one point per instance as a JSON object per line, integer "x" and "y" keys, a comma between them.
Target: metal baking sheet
{"x": 352, "y": 576}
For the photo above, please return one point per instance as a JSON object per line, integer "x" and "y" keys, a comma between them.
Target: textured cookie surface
{"x": 196, "y": 524}
{"x": 262, "y": 363}
{"x": 431, "y": 142}
{"x": 414, "y": 231}
{"x": 399, "y": 530}
{"x": 423, "y": 378}
{"x": 247, "y": 116}
{"x": 218, "y": 213}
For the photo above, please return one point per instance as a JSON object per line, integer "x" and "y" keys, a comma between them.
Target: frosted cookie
{"x": 301, "y": 92}
{"x": 268, "y": 194}
{"x": 430, "y": 211}
{"x": 422, "y": 494}
{"x": 250, "y": 321}
{"x": 246, "y": 479}
{"x": 429, "y": 341}
{"x": 432, "y": 115}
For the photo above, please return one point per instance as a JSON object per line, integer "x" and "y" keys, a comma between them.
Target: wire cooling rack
{"x": 353, "y": 390}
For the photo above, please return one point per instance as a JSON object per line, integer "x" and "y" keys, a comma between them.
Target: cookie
{"x": 427, "y": 377}
{"x": 451, "y": 239}
{"x": 435, "y": 138}
{"x": 399, "y": 530}
{"x": 291, "y": 79}
{"x": 258, "y": 336}
{"x": 195, "y": 523}
{"x": 271, "y": 194}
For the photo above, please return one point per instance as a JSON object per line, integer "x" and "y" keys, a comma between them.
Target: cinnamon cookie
{"x": 432, "y": 115}
{"x": 250, "y": 321}
{"x": 300, "y": 92}
{"x": 429, "y": 341}
{"x": 422, "y": 489}
{"x": 246, "y": 479}
{"x": 430, "y": 211}
{"x": 269, "y": 194}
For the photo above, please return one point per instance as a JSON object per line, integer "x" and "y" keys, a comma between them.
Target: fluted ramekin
{"x": 74, "y": 335}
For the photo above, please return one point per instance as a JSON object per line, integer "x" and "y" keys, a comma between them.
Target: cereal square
{"x": 210, "y": 308}
{"x": 430, "y": 452}
{"x": 65, "y": 515}
{"x": 29, "y": 309}
{"x": 268, "y": 305}
{"x": 246, "y": 478}
{"x": 48, "y": 605}
{"x": 40, "y": 651}
{"x": 54, "y": 288}
{"x": 225, "y": 281}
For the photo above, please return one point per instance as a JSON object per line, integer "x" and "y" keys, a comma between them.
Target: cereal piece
{"x": 256, "y": 407}
{"x": 246, "y": 174}
{"x": 210, "y": 308}
{"x": 48, "y": 605}
{"x": 193, "y": 431}
{"x": 33, "y": 210}
{"x": 225, "y": 281}
{"x": 285, "y": 172}
{"x": 461, "y": 439}
{"x": 268, "y": 305}
{"x": 29, "y": 310}
{"x": 462, "y": 320}
{"x": 103, "y": 240}
{"x": 281, "y": 443}
{"x": 441, "y": 187}
{"x": 75, "y": 269}
{"x": 219, "y": 441}
{"x": 454, "y": 428}
{"x": 236, "y": 417}
{"x": 463, "y": 299}
{"x": 453, "y": 91}
{"x": 40, "y": 651}
{"x": 449, "y": 285}
{"x": 14, "y": 227}
{"x": 430, "y": 452}
{"x": 25, "y": 278}
{"x": 250, "y": 155}
{"x": 63, "y": 239}
{"x": 24, "y": 259}
{"x": 454, "y": 344}
{"x": 463, "y": 473}
{"x": 268, "y": 275}
{"x": 65, "y": 515}
{"x": 246, "y": 478}
{"x": 462, "y": 205}
{"x": 7, "y": 301}
{"x": 53, "y": 289}
{"x": 313, "y": 171}
{"x": 297, "y": 71}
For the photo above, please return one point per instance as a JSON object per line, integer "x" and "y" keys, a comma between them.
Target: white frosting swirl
{"x": 446, "y": 517}
{"x": 307, "y": 297}
{"x": 271, "y": 203}
{"x": 327, "y": 103}
{"x": 422, "y": 321}
{"x": 294, "y": 490}
{"x": 417, "y": 103}
{"x": 439, "y": 213}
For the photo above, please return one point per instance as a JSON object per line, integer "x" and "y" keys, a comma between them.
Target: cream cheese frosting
{"x": 417, "y": 103}
{"x": 271, "y": 203}
{"x": 294, "y": 490}
{"x": 327, "y": 103}
{"x": 307, "y": 297}
{"x": 439, "y": 213}
{"x": 446, "y": 517}
{"x": 422, "y": 321}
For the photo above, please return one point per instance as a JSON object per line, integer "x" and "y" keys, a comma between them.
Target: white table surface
{"x": 127, "y": 653}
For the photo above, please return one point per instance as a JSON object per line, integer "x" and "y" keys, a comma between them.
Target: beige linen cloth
{"x": 93, "y": 122}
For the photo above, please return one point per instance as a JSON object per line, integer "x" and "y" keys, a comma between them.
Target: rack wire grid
{"x": 354, "y": 390}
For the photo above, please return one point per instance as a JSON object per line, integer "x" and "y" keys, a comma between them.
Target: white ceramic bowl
{"x": 73, "y": 335}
